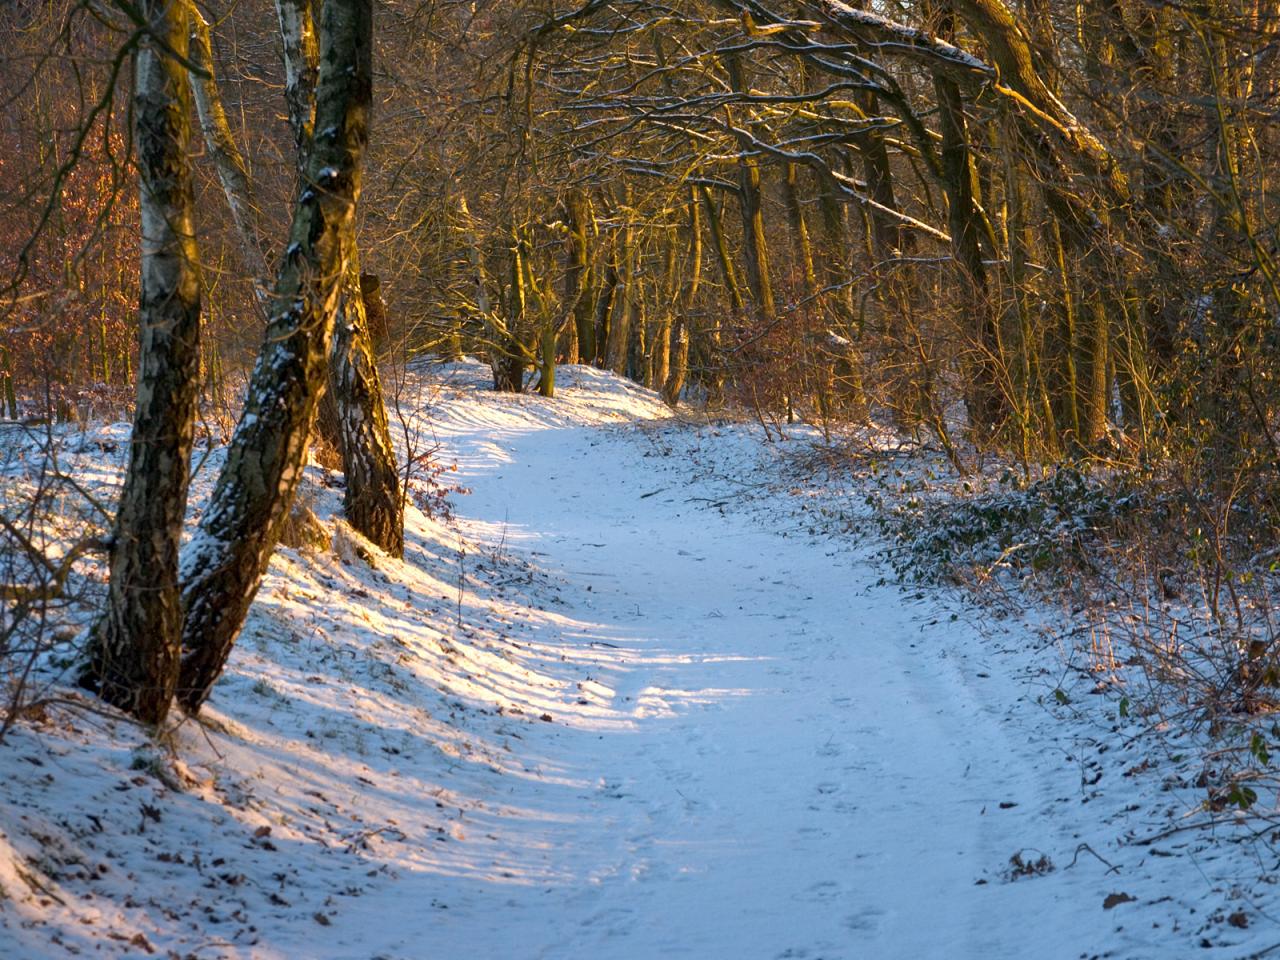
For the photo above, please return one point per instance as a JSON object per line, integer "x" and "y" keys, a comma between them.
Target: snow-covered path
{"x": 800, "y": 778}
{"x": 613, "y": 713}
{"x": 794, "y": 760}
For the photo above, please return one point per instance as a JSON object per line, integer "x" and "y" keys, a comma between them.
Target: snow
{"x": 911, "y": 38}
{"x": 623, "y": 705}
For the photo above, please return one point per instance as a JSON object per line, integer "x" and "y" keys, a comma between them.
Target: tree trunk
{"x": 233, "y": 172}
{"x": 986, "y": 400}
{"x": 352, "y": 416}
{"x": 577, "y": 276}
{"x": 712, "y": 342}
{"x": 135, "y": 647}
{"x": 1065, "y": 384}
{"x": 223, "y": 565}
{"x": 679, "y": 363}
{"x": 660, "y": 341}
{"x": 835, "y": 261}
{"x": 547, "y": 361}
{"x": 508, "y": 374}
{"x": 727, "y": 274}
{"x": 1036, "y": 406}
{"x": 618, "y": 344}
{"x": 301, "y": 63}
{"x": 887, "y": 236}
{"x": 751, "y": 204}
{"x": 372, "y": 501}
{"x": 800, "y": 229}
{"x": 603, "y": 310}
{"x": 678, "y": 350}
{"x": 507, "y": 356}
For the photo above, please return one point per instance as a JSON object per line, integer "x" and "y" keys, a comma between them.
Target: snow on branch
{"x": 891, "y": 36}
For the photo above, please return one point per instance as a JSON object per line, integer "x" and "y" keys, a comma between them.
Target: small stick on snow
{"x": 1111, "y": 867}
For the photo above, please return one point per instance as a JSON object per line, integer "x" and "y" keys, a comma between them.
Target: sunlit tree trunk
{"x": 301, "y": 56}
{"x": 577, "y": 275}
{"x": 508, "y": 357}
{"x": 728, "y": 275}
{"x": 751, "y": 203}
{"x": 618, "y": 342}
{"x": 352, "y": 416}
{"x": 233, "y": 172}
{"x": 711, "y": 339}
{"x": 223, "y": 565}
{"x": 659, "y": 366}
{"x": 800, "y": 229}
{"x": 134, "y": 649}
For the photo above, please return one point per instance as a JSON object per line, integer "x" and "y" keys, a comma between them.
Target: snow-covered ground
{"x": 626, "y": 705}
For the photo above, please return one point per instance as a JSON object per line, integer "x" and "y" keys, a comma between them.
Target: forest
{"x": 639, "y": 478}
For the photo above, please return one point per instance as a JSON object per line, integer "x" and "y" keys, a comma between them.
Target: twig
{"x": 1111, "y": 867}
{"x": 1147, "y": 841}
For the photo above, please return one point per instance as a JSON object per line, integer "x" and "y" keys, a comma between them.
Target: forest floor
{"x": 636, "y": 699}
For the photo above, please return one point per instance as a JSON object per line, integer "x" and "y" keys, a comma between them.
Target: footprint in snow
{"x": 824, "y": 891}
{"x": 864, "y": 921}
{"x": 616, "y": 922}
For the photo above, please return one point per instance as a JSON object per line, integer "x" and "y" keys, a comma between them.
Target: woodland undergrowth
{"x": 1161, "y": 595}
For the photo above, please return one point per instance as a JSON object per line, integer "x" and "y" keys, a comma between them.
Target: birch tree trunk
{"x": 233, "y": 172}
{"x": 134, "y": 649}
{"x": 353, "y": 417}
{"x": 372, "y": 501}
{"x": 301, "y": 63}
{"x": 223, "y": 565}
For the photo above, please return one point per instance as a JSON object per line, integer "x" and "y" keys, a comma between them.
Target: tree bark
{"x": 372, "y": 502}
{"x": 352, "y": 417}
{"x": 301, "y": 57}
{"x": 233, "y": 172}
{"x": 678, "y": 349}
{"x": 577, "y": 276}
{"x": 603, "y": 309}
{"x": 986, "y": 401}
{"x": 750, "y": 202}
{"x": 223, "y": 565}
{"x": 134, "y": 649}
{"x": 508, "y": 357}
{"x": 618, "y": 343}
{"x": 727, "y": 273}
